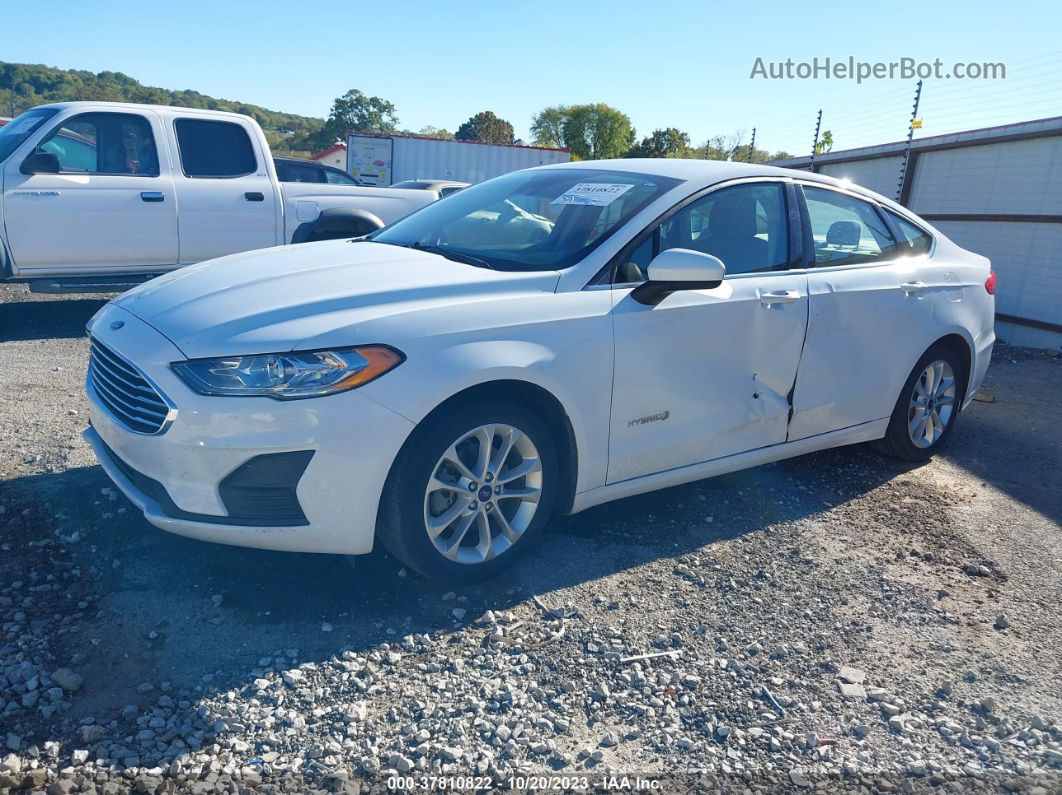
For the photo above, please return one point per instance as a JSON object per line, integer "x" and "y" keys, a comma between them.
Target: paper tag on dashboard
{"x": 594, "y": 194}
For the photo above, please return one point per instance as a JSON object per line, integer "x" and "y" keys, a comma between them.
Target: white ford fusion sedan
{"x": 543, "y": 342}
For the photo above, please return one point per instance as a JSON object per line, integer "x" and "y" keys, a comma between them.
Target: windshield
{"x": 20, "y": 128}
{"x": 530, "y": 220}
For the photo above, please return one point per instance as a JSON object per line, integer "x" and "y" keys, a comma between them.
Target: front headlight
{"x": 288, "y": 376}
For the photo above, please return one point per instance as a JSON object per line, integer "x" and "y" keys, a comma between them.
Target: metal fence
{"x": 996, "y": 191}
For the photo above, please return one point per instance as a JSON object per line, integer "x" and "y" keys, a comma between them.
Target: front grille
{"x": 126, "y": 394}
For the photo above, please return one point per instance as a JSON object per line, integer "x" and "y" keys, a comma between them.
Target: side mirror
{"x": 41, "y": 163}
{"x": 679, "y": 269}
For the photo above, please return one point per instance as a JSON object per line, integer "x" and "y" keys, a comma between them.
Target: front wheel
{"x": 470, "y": 492}
{"x": 928, "y": 405}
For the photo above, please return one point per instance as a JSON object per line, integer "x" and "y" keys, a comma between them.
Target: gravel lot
{"x": 833, "y": 621}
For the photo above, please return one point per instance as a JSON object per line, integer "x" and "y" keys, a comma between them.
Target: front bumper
{"x": 335, "y": 453}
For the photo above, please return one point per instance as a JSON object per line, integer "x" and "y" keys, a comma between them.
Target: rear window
{"x": 214, "y": 149}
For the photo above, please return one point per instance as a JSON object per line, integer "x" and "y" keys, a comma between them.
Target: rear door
{"x": 229, "y": 201}
{"x": 111, "y": 207}
{"x": 707, "y": 373}
{"x": 871, "y": 313}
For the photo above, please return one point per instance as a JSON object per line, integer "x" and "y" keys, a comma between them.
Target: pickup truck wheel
{"x": 471, "y": 492}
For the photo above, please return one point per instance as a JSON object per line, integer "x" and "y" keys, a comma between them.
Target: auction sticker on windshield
{"x": 595, "y": 194}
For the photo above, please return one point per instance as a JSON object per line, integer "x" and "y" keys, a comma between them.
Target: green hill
{"x": 23, "y": 86}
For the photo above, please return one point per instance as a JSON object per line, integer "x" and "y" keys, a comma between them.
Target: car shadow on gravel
{"x": 203, "y": 617}
{"x": 1012, "y": 441}
{"x": 38, "y": 320}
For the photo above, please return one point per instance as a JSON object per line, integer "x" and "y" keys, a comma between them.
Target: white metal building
{"x": 387, "y": 159}
{"x": 996, "y": 191}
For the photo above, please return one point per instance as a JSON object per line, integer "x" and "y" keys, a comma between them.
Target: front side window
{"x": 744, "y": 226}
{"x": 214, "y": 148}
{"x": 846, "y": 230}
{"x": 104, "y": 143}
{"x": 530, "y": 220}
{"x": 20, "y": 128}
{"x": 918, "y": 241}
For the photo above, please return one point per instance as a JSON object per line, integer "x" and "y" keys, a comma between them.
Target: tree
{"x": 486, "y": 128}
{"x": 436, "y": 132}
{"x": 594, "y": 132}
{"x": 547, "y": 128}
{"x": 356, "y": 111}
{"x": 825, "y": 144}
{"x": 723, "y": 147}
{"x": 669, "y": 142}
{"x": 24, "y": 85}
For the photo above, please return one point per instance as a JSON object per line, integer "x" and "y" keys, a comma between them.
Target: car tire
{"x": 927, "y": 407}
{"x": 440, "y": 476}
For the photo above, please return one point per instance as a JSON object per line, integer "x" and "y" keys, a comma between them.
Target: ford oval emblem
{"x": 117, "y": 325}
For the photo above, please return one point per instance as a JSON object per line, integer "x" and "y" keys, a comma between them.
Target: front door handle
{"x": 152, "y": 196}
{"x": 254, "y": 196}
{"x": 779, "y": 297}
{"x": 913, "y": 287}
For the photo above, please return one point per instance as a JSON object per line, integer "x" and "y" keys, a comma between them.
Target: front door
{"x": 708, "y": 373}
{"x": 111, "y": 207}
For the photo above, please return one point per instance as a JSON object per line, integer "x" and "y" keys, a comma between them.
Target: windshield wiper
{"x": 456, "y": 256}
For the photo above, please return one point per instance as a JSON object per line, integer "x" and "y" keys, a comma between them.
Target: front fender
{"x": 571, "y": 361}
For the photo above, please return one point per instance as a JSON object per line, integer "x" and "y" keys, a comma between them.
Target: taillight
{"x": 990, "y": 283}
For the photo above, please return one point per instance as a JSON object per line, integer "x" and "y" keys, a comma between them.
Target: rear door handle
{"x": 913, "y": 287}
{"x": 152, "y": 196}
{"x": 779, "y": 297}
{"x": 254, "y": 196}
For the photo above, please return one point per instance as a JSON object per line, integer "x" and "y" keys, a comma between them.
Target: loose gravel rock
{"x": 824, "y": 623}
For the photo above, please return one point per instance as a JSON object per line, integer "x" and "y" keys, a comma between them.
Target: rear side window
{"x": 846, "y": 230}
{"x": 104, "y": 143}
{"x": 214, "y": 148}
{"x": 918, "y": 240}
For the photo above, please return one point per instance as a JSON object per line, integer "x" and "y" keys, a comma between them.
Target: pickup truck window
{"x": 104, "y": 143}
{"x": 20, "y": 128}
{"x": 214, "y": 149}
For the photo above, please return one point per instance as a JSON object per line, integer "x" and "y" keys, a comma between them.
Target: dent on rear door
{"x": 864, "y": 335}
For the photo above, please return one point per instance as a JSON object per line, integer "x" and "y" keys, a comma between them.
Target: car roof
{"x": 707, "y": 171}
{"x": 139, "y": 106}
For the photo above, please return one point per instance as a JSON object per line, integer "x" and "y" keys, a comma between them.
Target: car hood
{"x": 274, "y": 299}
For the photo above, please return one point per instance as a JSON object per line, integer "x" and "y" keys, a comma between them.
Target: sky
{"x": 667, "y": 63}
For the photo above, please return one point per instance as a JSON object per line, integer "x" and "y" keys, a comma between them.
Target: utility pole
{"x": 910, "y": 138}
{"x": 752, "y": 146}
{"x": 815, "y": 143}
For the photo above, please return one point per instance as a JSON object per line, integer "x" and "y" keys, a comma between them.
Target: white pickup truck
{"x": 101, "y": 195}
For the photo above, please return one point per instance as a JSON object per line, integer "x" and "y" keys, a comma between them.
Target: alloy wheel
{"x": 932, "y": 404}
{"x": 483, "y": 493}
